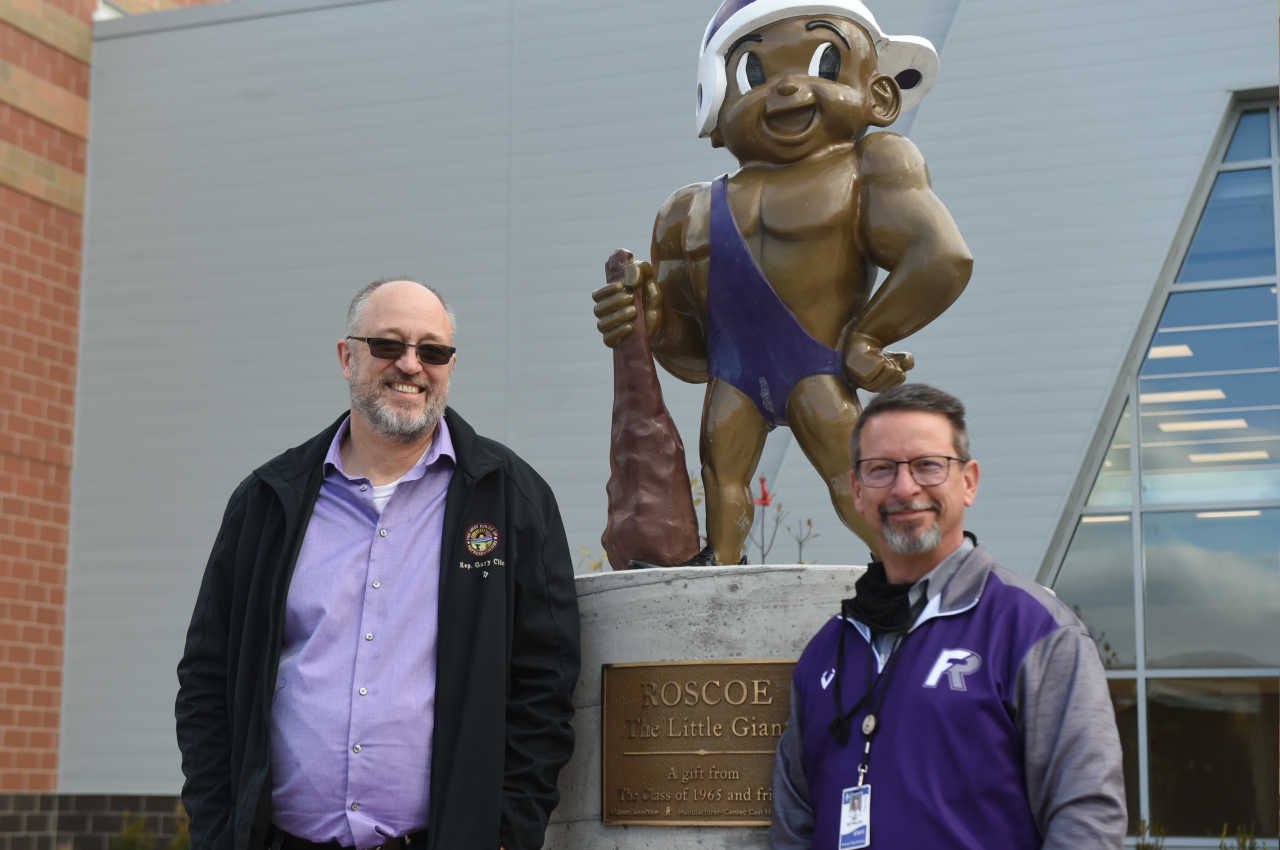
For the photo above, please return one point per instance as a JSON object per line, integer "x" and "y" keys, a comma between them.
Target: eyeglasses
{"x": 927, "y": 471}
{"x": 430, "y": 353}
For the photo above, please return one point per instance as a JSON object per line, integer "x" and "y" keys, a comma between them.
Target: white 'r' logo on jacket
{"x": 956, "y": 663}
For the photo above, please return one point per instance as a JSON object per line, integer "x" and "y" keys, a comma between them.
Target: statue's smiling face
{"x": 799, "y": 86}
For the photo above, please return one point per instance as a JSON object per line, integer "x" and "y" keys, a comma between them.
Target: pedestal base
{"x": 681, "y": 614}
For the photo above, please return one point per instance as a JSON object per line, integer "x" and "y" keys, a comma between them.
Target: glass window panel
{"x": 1216, "y": 426}
{"x": 1114, "y": 485}
{"x": 1210, "y": 473}
{"x": 1220, "y": 349}
{"x": 1201, "y": 394}
{"x": 1214, "y": 331}
{"x": 1211, "y": 456}
{"x": 1236, "y": 235}
{"x": 1252, "y": 138}
{"x": 1096, "y": 582}
{"x": 1210, "y": 399}
{"x": 1219, "y": 307}
{"x": 1124, "y": 699}
{"x": 1213, "y": 755}
{"x": 1212, "y": 588}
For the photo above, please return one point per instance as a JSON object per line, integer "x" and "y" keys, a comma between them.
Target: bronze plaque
{"x": 691, "y": 743}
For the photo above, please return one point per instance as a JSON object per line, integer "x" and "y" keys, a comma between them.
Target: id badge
{"x": 855, "y": 818}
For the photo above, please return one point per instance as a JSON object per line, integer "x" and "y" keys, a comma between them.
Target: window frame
{"x": 1125, "y": 396}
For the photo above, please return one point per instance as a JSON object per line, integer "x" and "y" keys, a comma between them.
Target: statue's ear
{"x": 886, "y": 100}
{"x": 717, "y": 140}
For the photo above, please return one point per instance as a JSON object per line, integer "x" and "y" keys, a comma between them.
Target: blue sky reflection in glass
{"x": 1209, "y": 398}
{"x": 1114, "y": 485}
{"x": 1252, "y": 138}
{"x": 1236, "y": 236}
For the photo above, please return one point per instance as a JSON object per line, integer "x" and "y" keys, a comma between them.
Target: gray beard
{"x": 911, "y": 542}
{"x": 385, "y": 420}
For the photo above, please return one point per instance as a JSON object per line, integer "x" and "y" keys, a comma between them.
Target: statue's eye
{"x": 750, "y": 72}
{"x": 825, "y": 62}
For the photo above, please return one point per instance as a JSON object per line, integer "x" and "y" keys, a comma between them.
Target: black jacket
{"x": 506, "y": 667}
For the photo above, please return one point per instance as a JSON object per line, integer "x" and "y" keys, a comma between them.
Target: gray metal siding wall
{"x": 1068, "y": 139}
{"x": 249, "y": 170}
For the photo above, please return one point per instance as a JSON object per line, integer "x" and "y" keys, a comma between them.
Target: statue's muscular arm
{"x": 677, "y": 333}
{"x": 903, "y": 227}
{"x": 671, "y": 314}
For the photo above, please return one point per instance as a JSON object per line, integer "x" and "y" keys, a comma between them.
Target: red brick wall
{"x": 40, "y": 255}
{"x": 39, "y": 320}
{"x": 44, "y": 93}
{"x": 43, "y": 61}
{"x": 41, "y": 139}
{"x": 80, "y": 9}
{"x": 140, "y": 7}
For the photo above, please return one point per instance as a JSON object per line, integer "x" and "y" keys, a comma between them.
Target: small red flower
{"x": 765, "y": 499}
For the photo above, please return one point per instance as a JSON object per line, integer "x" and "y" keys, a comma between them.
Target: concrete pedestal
{"x": 681, "y": 614}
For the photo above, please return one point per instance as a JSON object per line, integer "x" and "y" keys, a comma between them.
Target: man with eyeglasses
{"x": 970, "y": 699}
{"x": 385, "y": 643}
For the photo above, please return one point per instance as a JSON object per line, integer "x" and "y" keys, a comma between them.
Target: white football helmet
{"x": 909, "y": 59}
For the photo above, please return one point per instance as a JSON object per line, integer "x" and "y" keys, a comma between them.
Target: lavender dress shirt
{"x": 354, "y": 709}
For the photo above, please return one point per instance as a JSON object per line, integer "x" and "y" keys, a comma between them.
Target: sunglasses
{"x": 429, "y": 353}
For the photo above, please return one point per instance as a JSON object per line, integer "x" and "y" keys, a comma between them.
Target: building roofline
{"x": 211, "y": 15}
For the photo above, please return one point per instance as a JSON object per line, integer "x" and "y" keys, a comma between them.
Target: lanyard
{"x": 839, "y": 727}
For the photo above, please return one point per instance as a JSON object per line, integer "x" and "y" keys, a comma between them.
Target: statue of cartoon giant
{"x": 760, "y": 282}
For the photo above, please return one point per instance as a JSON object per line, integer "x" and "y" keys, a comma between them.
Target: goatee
{"x": 388, "y": 420}
{"x": 912, "y": 540}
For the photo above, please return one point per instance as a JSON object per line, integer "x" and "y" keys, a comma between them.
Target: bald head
{"x": 401, "y": 294}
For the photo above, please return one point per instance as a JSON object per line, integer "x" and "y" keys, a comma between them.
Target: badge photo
{"x": 855, "y": 818}
{"x": 481, "y": 539}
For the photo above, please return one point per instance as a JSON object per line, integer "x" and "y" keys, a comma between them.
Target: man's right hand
{"x": 615, "y": 304}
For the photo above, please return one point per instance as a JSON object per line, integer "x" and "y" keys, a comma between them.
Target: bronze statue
{"x": 760, "y": 282}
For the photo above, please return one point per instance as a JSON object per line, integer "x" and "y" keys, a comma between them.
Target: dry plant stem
{"x": 802, "y": 538}
{"x": 762, "y": 521}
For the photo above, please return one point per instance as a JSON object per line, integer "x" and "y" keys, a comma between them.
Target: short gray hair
{"x": 916, "y": 398}
{"x": 356, "y": 311}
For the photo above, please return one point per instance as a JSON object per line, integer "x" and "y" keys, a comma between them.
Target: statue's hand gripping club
{"x": 615, "y": 304}
{"x": 651, "y": 516}
{"x": 870, "y": 367}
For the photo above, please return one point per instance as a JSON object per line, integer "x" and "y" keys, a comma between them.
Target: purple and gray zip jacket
{"x": 996, "y": 731}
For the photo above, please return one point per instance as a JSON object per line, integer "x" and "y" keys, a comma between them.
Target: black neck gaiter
{"x": 882, "y": 606}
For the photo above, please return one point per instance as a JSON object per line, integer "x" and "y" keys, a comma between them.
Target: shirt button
{"x": 382, "y": 532}
{"x": 355, "y": 807}
{"x": 364, "y": 691}
{"x": 369, "y": 636}
{"x": 356, "y": 748}
{"x": 377, "y": 583}
{"x": 364, "y": 487}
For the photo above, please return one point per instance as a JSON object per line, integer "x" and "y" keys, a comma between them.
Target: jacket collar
{"x": 963, "y": 589}
{"x": 475, "y": 458}
{"x": 288, "y": 471}
{"x": 961, "y": 592}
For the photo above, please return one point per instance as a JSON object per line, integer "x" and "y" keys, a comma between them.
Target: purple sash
{"x": 754, "y": 342}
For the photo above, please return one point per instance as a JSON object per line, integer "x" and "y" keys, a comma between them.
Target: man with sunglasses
{"x": 385, "y": 643}
{"x": 969, "y": 699}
